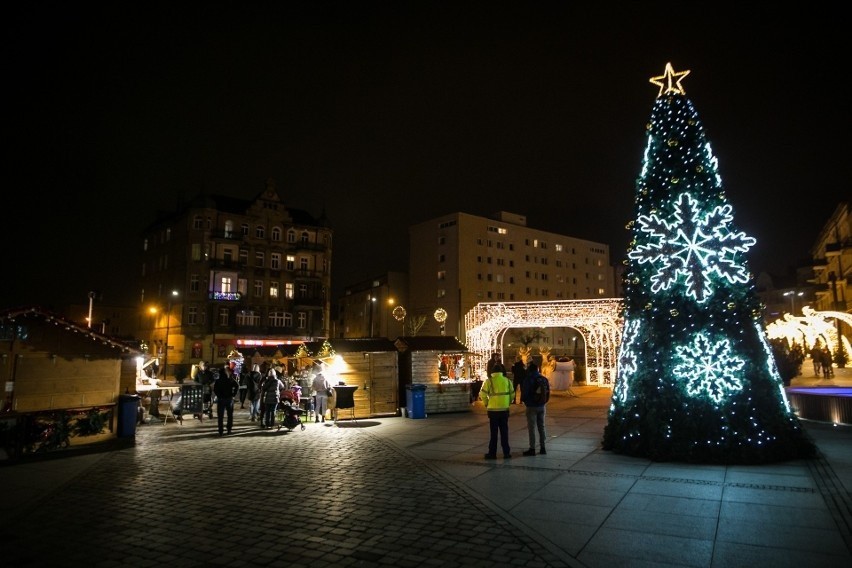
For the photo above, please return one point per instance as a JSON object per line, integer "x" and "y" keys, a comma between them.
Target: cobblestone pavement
{"x": 416, "y": 492}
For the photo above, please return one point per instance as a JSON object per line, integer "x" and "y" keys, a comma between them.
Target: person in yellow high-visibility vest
{"x": 497, "y": 393}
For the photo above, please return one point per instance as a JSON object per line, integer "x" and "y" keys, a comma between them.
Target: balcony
{"x": 308, "y": 274}
{"x": 223, "y": 235}
{"x": 300, "y": 246}
{"x": 832, "y": 249}
{"x": 224, "y": 296}
{"x": 819, "y": 264}
{"x": 308, "y": 302}
{"x": 227, "y": 264}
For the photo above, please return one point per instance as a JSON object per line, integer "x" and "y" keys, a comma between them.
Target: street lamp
{"x": 793, "y": 294}
{"x": 168, "y": 324}
{"x": 372, "y": 302}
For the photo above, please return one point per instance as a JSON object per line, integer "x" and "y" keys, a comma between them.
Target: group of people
{"x": 498, "y": 392}
{"x": 822, "y": 360}
{"x": 263, "y": 391}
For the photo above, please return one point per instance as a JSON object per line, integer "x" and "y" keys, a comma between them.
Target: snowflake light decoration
{"x": 691, "y": 248}
{"x": 627, "y": 361}
{"x": 708, "y": 368}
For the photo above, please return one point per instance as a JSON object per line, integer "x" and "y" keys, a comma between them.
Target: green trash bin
{"x": 128, "y": 407}
{"x": 415, "y": 397}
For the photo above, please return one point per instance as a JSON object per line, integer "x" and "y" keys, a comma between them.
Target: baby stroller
{"x": 289, "y": 415}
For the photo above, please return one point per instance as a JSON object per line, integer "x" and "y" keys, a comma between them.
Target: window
{"x": 303, "y": 290}
{"x": 247, "y": 318}
{"x": 488, "y": 277}
{"x": 191, "y": 315}
{"x": 288, "y": 319}
{"x": 276, "y": 319}
{"x": 196, "y": 251}
{"x": 276, "y": 234}
{"x": 441, "y": 258}
{"x": 275, "y": 261}
{"x": 558, "y": 248}
{"x": 288, "y": 290}
{"x": 227, "y": 255}
{"x": 260, "y": 232}
{"x": 225, "y": 285}
{"x": 273, "y": 289}
{"x": 243, "y": 257}
{"x": 198, "y": 222}
{"x": 303, "y": 263}
{"x": 229, "y": 229}
{"x": 291, "y": 236}
{"x": 442, "y": 240}
{"x": 303, "y": 320}
{"x": 290, "y": 262}
{"x": 244, "y": 229}
{"x": 305, "y": 238}
{"x": 258, "y": 288}
{"x": 601, "y": 291}
{"x": 223, "y": 316}
{"x": 242, "y": 286}
{"x": 442, "y": 292}
{"x": 259, "y": 258}
{"x": 498, "y": 278}
{"x": 194, "y": 283}
{"x": 442, "y": 275}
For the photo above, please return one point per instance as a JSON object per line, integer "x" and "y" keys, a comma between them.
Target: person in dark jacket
{"x": 253, "y": 392}
{"x": 535, "y": 412}
{"x": 519, "y": 371}
{"x": 225, "y": 389}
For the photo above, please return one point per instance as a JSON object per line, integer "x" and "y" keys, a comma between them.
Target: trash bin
{"x": 415, "y": 398}
{"x": 128, "y": 404}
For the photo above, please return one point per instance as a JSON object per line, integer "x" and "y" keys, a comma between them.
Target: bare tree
{"x": 415, "y": 324}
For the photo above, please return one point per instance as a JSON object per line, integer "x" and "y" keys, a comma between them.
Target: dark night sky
{"x": 387, "y": 114}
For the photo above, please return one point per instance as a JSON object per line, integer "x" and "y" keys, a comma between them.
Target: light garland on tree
{"x": 697, "y": 380}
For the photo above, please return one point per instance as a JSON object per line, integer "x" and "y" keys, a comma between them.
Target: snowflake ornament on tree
{"x": 692, "y": 248}
{"x": 708, "y": 368}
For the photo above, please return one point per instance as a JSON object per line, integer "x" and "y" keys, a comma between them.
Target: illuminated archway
{"x": 599, "y": 321}
{"x": 813, "y": 327}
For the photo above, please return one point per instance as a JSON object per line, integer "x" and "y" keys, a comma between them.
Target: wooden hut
{"x": 442, "y": 365}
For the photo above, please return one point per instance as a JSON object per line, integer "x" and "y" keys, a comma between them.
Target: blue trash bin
{"x": 128, "y": 413}
{"x": 415, "y": 397}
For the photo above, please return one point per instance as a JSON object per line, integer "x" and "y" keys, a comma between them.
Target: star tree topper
{"x": 669, "y": 82}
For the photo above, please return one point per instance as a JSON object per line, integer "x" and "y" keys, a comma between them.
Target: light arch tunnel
{"x": 599, "y": 322}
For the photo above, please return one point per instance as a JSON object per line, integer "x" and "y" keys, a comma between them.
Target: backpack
{"x": 540, "y": 393}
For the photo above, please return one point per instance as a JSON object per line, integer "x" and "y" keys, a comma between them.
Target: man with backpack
{"x": 535, "y": 393}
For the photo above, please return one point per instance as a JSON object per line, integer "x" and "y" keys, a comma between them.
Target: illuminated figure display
{"x": 696, "y": 379}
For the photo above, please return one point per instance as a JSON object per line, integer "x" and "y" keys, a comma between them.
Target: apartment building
{"x": 459, "y": 260}
{"x": 832, "y": 266}
{"x": 224, "y": 272}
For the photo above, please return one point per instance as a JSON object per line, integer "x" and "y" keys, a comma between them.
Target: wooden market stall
{"x": 442, "y": 365}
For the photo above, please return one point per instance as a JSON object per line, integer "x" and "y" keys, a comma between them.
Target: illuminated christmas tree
{"x": 696, "y": 378}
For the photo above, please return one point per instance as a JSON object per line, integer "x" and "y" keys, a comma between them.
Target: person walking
{"x": 535, "y": 392}
{"x": 271, "y": 394}
{"x": 496, "y": 394}
{"x": 244, "y": 373}
{"x": 518, "y": 374}
{"x": 226, "y": 388}
{"x": 253, "y": 392}
{"x": 826, "y": 362}
{"x": 321, "y": 388}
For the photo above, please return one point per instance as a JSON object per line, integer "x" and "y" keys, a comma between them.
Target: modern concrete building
{"x": 224, "y": 273}
{"x": 374, "y": 308}
{"x": 459, "y": 260}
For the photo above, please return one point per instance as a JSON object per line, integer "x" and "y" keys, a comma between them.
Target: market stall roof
{"x": 321, "y": 349}
{"x": 442, "y": 343}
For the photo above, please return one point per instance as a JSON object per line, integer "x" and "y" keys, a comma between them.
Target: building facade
{"x": 224, "y": 273}
{"x": 459, "y": 260}
{"x": 832, "y": 267}
{"x": 374, "y": 308}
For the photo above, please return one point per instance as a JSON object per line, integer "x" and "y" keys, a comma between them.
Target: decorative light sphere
{"x": 398, "y": 313}
{"x": 440, "y": 315}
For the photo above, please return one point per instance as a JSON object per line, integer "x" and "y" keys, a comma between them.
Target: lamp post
{"x": 174, "y": 294}
{"x": 793, "y": 294}
{"x": 371, "y": 302}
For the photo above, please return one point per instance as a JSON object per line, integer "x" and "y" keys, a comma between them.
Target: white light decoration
{"x": 811, "y": 328}
{"x": 691, "y": 248}
{"x": 599, "y": 322}
{"x": 708, "y": 368}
